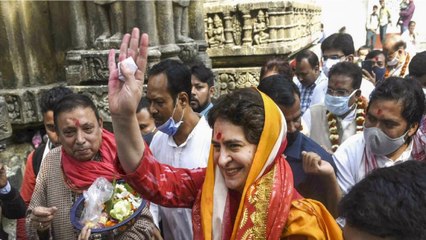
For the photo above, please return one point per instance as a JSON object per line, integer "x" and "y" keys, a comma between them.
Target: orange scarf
{"x": 80, "y": 175}
{"x": 267, "y": 195}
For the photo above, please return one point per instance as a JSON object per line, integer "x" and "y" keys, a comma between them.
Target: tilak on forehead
{"x": 76, "y": 122}
{"x": 218, "y": 135}
{"x": 379, "y": 111}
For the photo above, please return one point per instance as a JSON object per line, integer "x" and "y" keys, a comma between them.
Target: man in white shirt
{"x": 183, "y": 138}
{"x": 312, "y": 83}
{"x": 393, "y": 117}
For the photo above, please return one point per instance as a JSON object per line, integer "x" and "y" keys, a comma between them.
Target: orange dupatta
{"x": 267, "y": 194}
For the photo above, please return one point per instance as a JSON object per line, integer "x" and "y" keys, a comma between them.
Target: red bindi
{"x": 77, "y": 123}
{"x": 218, "y": 136}
{"x": 379, "y": 111}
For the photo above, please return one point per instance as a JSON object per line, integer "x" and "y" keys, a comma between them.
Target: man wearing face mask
{"x": 339, "y": 47}
{"x": 373, "y": 67}
{"x": 393, "y": 117}
{"x": 341, "y": 115}
{"x": 397, "y": 58}
{"x": 183, "y": 138}
{"x": 286, "y": 95}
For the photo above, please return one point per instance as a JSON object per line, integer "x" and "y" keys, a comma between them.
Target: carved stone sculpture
{"x": 5, "y": 125}
{"x": 260, "y": 29}
{"x": 180, "y": 20}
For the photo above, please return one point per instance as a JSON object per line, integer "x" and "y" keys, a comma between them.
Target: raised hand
{"x": 124, "y": 96}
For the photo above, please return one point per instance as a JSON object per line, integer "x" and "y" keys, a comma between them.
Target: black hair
{"x": 349, "y": 69}
{"x": 143, "y": 103}
{"x": 389, "y": 202}
{"x": 279, "y": 89}
{"x": 404, "y": 90}
{"x": 71, "y": 102}
{"x": 411, "y": 22}
{"x": 308, "y": 55}
{"x": 417, "y": 66}
{"x": 279, "y": 65}
{"x": 339, "y": 41}
{"x": 50, "y": 98}
{"x": 202, "y": 73}
{"x": 372, "y": 54}
{"x": 178, "y": 77}
{"x": 242, "y": 107}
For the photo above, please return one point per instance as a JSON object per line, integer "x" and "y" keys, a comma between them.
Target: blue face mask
{"x": 170, "y": 127}
{"x": 338, "y": 105}
{"x": 380, "y": 73}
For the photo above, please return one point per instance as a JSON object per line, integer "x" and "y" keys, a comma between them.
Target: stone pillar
{"x": 167, "y": 47}
{"x": 247, "y": 28}
{"x": 229, "y": 40}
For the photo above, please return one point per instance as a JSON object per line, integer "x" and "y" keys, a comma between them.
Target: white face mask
{"x": 393, "y": 62}
{"x": 328, "y": 64}
{"x": 380, "y": 143}
{"x": 338, "y": 105}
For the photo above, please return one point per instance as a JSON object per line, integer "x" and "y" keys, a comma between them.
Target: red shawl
{"x": 79, "y": 175}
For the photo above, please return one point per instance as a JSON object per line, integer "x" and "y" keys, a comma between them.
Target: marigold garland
{"x": 361, "y": 106}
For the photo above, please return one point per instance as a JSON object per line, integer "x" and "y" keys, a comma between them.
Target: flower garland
{"x": 361, "y": 106}
{"x": 403, "y": 69}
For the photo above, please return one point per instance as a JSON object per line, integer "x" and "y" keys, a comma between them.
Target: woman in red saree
{"x": 246, "y": 192}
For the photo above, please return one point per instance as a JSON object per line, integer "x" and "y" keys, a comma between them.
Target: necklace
{"x": 361, "y": 106}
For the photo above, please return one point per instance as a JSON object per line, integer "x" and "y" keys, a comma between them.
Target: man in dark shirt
{"x": 301, "y": 151}
{"x": 12, "y": 205}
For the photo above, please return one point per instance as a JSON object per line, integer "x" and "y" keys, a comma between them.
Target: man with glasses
{"x": 339, "y": 47}
{"x": 341, "y": 115}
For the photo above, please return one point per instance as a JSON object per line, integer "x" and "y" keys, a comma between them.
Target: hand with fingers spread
{"x": 41, "y": 217}
{"x": 124, "y": 96}
{"x": 313, "y": 164}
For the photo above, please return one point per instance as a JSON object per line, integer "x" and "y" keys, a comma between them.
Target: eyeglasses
{"x": 333, "y": 57}
{"x": 338, "y": 92}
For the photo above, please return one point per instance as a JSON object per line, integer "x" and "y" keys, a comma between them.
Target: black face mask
{"x": 380, "y": 73}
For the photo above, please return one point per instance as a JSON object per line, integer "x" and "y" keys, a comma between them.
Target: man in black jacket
{"x": 12, "y": 205}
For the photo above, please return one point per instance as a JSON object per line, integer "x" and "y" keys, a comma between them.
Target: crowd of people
{"x": 324, "y": 149}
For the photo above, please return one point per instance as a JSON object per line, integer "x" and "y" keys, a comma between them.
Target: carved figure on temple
{"x": 180, "y": 21}
{"x": 110, "y": 13}
{"x": 260, "y": 28}
{"x": 215, "y": 34}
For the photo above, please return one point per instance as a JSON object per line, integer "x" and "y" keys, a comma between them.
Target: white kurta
{"x": 350, "y": 163}
{"x": 193, "y": 153}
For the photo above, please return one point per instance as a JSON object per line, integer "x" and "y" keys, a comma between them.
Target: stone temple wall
{"x": 48, "y": 43}
{"x": 243, "y": 35}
